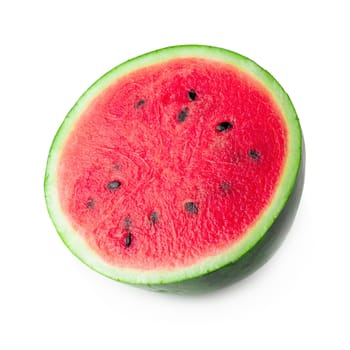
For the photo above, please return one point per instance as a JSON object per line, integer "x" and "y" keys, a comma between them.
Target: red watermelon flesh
{"x": 172, "y": 163}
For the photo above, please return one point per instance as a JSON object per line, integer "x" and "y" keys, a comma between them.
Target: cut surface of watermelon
{"x": 173, "y": 164}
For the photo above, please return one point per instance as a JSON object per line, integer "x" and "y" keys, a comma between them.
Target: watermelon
{"x": 177, "y": 170}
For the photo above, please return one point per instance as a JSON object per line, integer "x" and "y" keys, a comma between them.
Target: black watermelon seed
{"x": 224, "y": 126}
{"x": 90, "y": 203}
{"x": 191, "y": 208}
{"x": 254, "y": 154}
{"x": 192, "y": 95}
{"x": 154, "y": 217}
{"x": 140, "y": 103}
{"x": 128, "y": 240}
{"x": 127, "y": 222}
{"x": 182, "y": 115}
{"x": 113, "y": 185}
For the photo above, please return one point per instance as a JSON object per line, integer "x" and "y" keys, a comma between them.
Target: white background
{"x": 50, "y": 53}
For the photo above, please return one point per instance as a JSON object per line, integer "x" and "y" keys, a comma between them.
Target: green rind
{"x": 255, "y": 235}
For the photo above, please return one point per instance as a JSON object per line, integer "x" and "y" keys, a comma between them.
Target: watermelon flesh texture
{"x": 253, "y": 259}
{"x": 149, "y": 178}
{"x": 176, "y": 170}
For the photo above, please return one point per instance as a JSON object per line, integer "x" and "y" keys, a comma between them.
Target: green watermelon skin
{"x": 245, "y": 260}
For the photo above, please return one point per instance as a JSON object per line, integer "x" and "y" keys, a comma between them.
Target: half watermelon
{"x": 170, "y": 170}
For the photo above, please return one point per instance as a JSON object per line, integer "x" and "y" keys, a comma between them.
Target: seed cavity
{"x": 224, "y": 126}
{"x": 90, "y": 203}
{"x": 128, "y": 239}
{"x": 254, "y": 154}
{"x": 154, "y": 217}
{"x": 140, "y": 103}
{"x": 225, "y": 187}
{"x": 113, "y": 185}
{"x": 182, "y": 115}
{"x": 127, "y": 222}
{"x": 192, "y": 95}
{"x": 191, "y": 207}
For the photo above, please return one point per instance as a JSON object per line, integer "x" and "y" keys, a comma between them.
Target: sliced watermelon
{"x": 174, "y": 165}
